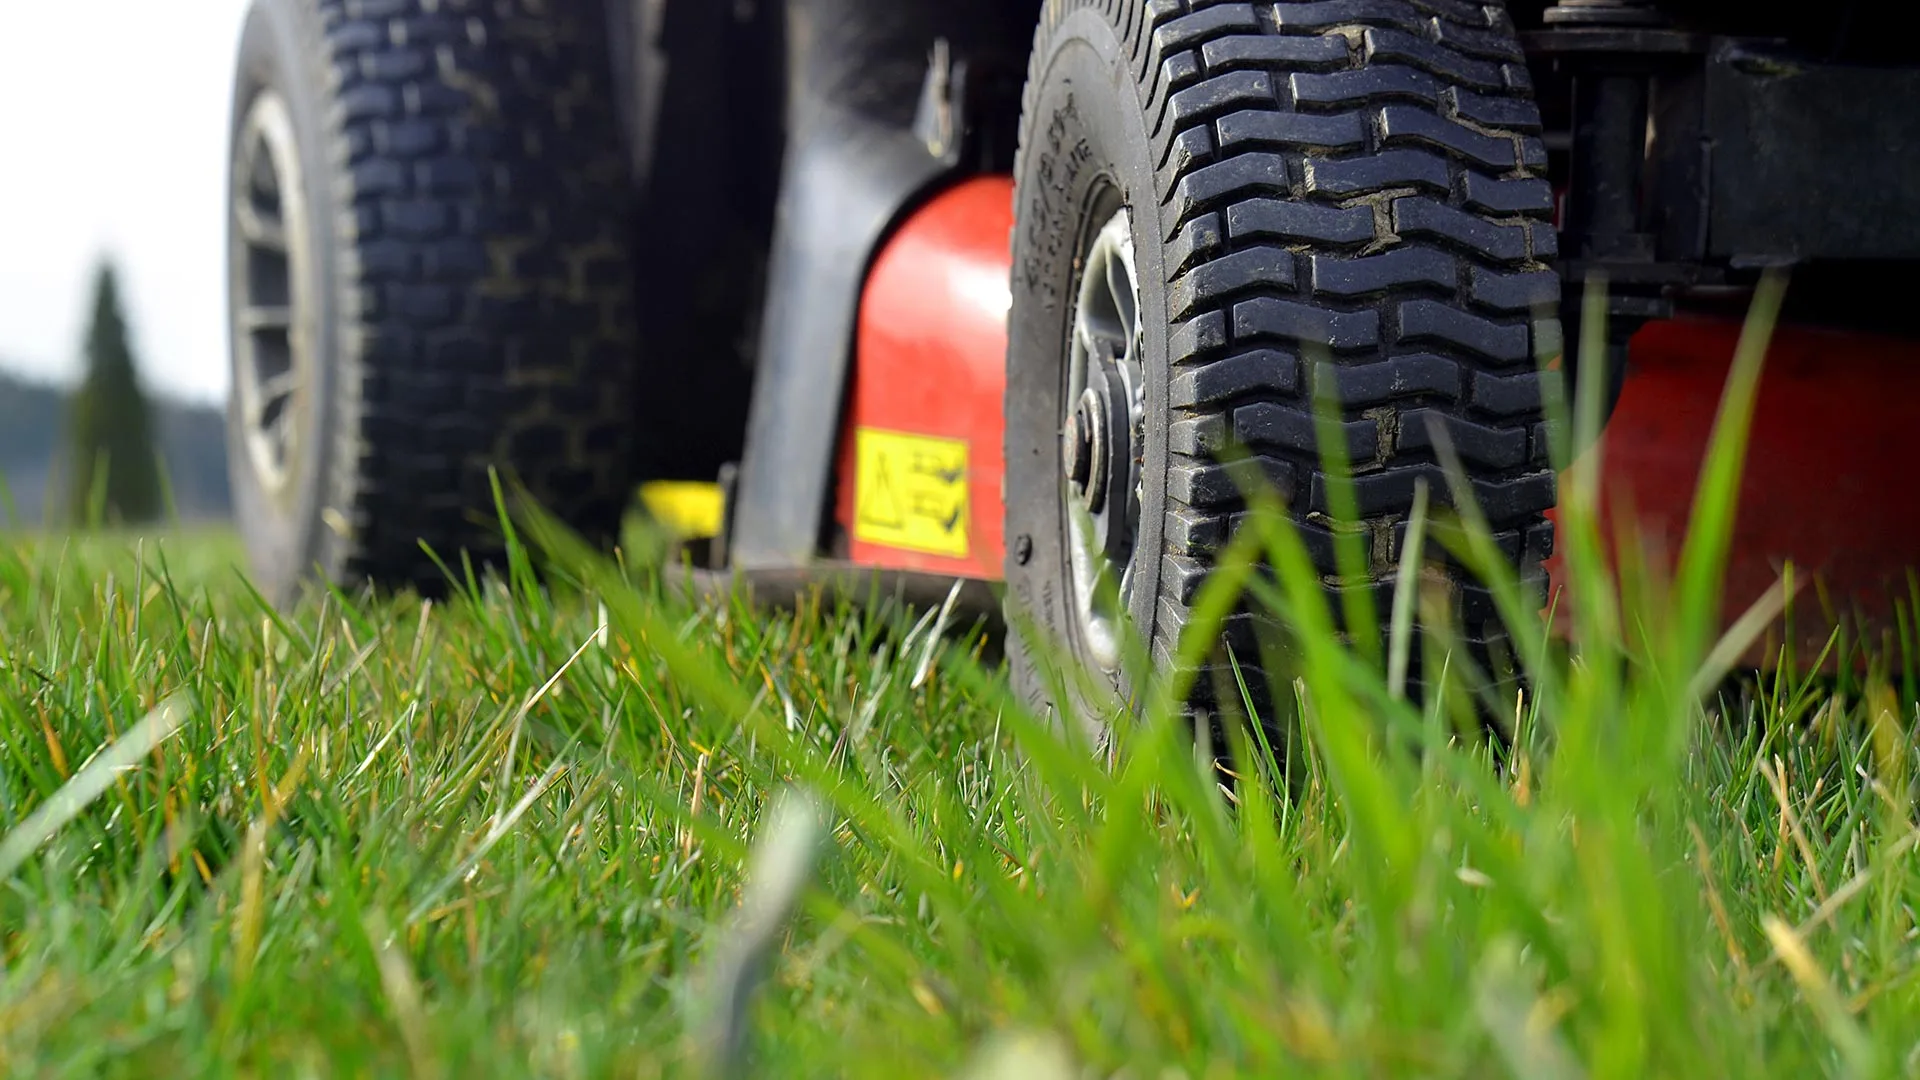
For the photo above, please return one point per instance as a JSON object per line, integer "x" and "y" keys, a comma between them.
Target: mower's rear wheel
{"x": 1291, "y": 194}
{"x": 430, "y": 282}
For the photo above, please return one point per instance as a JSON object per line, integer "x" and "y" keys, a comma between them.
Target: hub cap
{"x": 272, "y": 344}
{"x": 1103, "y": 436}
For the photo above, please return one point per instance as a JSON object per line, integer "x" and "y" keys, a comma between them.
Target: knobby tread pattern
{"x": 1351, "y": 195}
{"x": 485, "y": 280}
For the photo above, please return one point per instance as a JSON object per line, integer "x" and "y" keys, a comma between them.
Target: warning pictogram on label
{"x": 910, "y": 492}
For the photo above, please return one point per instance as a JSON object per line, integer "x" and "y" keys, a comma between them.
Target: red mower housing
{"x": 921, "y": 450}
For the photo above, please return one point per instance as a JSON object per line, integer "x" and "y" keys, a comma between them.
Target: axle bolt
{"x": 1077, "y": 444}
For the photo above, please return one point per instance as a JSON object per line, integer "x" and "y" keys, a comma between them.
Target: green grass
{"x": 511, "y": 835}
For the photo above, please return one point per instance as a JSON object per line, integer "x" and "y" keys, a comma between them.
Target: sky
{"x": 113, "y": 127}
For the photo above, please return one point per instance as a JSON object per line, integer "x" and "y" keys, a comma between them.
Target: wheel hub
{"x": 1102, "y": 438}
{"x": 1078, "y": 441}
{"x": 269, "y": 289}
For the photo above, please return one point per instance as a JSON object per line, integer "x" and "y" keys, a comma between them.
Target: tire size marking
{"x": 1063, "y": 156}
{"x": 910, "y": 492}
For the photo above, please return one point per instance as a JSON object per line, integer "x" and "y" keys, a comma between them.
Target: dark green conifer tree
{"x": 110, "y": 447}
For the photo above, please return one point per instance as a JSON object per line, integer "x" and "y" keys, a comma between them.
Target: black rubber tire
{"x": 469, "y": 210}
{"x": 1361, "y": 176}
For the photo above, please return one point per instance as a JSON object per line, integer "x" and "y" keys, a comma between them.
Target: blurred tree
{"x": 114, "y": 470}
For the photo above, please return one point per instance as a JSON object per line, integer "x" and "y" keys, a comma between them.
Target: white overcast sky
{"x": 113, "y": 117}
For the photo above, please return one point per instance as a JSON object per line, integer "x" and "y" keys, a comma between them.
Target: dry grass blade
{"x": 1775, "y": 773}
{"x": 250, "y": 915}
{"x": 1852, "y": 888}
{"x": 1022, "y": 1057}
{"x": 1406, "y": 582}
{"x": 1740, "y": 637}
{"x": 1716, "y": 905}
{"x": 1822, "y": 998}
{"x": 935, "y": 635}
{"x": 500, "y": 829}
{"x": 1519, "y": 1022}
{"x": 778, "y": 870}
{"x": 403, "y": 994}
{"x": 526, "y": 708}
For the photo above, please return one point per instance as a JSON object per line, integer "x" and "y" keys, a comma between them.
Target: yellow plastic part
{"x": 691, "y": 511}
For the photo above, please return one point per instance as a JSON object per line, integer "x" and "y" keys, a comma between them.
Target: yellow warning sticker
{"x": 910, "y": 492}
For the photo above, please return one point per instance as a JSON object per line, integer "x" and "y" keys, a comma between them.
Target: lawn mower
{"x": 989, "y": 292}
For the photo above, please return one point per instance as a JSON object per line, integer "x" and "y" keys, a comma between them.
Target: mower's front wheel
{"x": 1220, "y": 209}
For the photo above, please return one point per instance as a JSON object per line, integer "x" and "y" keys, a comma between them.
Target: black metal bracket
{"x": 1613, "y": 54}
{"x": 876, "y": 116}
{"x": 1810, "y": 160}
{"x": 1689, "y": 161}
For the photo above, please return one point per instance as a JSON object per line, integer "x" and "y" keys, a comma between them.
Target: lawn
{"x": 587, "y": 827}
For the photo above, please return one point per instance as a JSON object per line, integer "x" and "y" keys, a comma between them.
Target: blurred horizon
{"x": 115, "y": 115}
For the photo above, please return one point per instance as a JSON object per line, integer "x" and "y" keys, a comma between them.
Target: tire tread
{"x": 486, "y": 281}
{"x": 1370, "y": 198}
